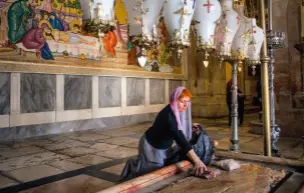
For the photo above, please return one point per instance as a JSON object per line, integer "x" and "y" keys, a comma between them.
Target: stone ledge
{"x": 105, "y": 69}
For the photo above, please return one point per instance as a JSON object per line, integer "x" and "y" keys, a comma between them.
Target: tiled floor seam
{"x": 103, "y": 175}
{"x": 65, "y": 175}
{"x": 39, "y": 182}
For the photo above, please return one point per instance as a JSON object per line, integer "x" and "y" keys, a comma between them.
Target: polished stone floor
{"x": 92, "y": 160}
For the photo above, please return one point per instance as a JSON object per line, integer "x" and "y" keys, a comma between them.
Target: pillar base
{"x": 235, "y": 146}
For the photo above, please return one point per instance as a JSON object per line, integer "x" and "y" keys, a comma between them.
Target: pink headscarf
{"x": 184, "y": 122}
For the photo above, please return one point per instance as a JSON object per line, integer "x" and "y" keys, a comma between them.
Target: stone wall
{"x": 208, "y": 84}
{"x": 290, "y": 117}
{"x": 34, "y": 105}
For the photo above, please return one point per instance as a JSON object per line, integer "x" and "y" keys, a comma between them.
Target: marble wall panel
{"x": 173, "y": 84}
{"x": 77, "y": 92}
{"x": 109, "y": 92}
{"x": 32, "y": 131}
{"x": 37, "y": 92}
{"x": 4, "y": 93}
{"x": 135, "y": 91}
{"x": 157, "y": 91}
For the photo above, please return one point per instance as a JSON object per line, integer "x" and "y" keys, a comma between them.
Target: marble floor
{"x": 92, "y": 160}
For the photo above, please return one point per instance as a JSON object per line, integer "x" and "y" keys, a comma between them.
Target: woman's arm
{"x": 199, "y": 167}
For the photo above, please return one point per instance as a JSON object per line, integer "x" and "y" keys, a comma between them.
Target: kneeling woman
{"x": 156, "y": 149}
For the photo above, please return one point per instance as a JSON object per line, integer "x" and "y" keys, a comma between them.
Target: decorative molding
{"x": 4, "y": 121}
{"x": 32, "y": 118}
{"x": 107, "y": 112}
{"x": 15, "y": 93}
{"x": 73, "y": 115}
{"x": 133, "y": 110}
{"x": 147, "y": 91}
{"x": 59, "y": 92}
{"x": 123, "y": 91}
{"x": 95, "y": 95}
{"x": 167, "y": 94}
{"x": 111, "y": 69}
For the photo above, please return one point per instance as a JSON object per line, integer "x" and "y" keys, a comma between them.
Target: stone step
{"x": 257, "y": 127}
{"x": 250, "y": 109}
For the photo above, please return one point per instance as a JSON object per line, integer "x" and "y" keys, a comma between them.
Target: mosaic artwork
{"x": 52, "y": 30}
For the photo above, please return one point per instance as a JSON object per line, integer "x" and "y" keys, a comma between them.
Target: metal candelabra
{"x": 274, "y": 40}
{"x": 234, "y": 139}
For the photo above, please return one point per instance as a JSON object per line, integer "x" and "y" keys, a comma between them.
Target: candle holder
{"x": 275, "y": 39}
{"x": 97, "y": 28}
{"x": 99, "y": 22}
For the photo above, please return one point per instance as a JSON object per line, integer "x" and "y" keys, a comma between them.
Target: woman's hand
{"x": 200, "y": 169}
{"x": 195, "y": 127}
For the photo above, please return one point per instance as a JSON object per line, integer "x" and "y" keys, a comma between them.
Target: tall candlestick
{"x": 91, "y": 10}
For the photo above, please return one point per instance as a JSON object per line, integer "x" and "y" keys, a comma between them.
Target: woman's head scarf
{"x": 184, "y": 122}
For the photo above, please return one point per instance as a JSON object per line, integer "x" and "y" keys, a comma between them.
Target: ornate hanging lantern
{"x": 98, "y": 16}
{"x": 207, "y": 12}
{"x": 239, "y": 48}
{"x": 255, "y": 44}
{"x": 226, "y": 29}
{"x": 177, "y": 17}
{"x": 142, "y": 18}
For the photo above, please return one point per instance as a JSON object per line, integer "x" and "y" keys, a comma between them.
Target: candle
{"x": 91, "y": 9}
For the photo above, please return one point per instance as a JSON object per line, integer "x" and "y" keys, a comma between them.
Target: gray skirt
{"x": 149, "y": 159}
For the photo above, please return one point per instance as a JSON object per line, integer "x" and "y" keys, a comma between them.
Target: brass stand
{"x": 265, "y": 87}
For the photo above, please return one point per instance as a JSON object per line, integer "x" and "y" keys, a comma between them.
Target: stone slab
{"x": 115, "y": 132}
{"x": 77, "y": 151}
{"x": 33, "y": 173}
{"x": 103, "y": 146}
{"x": 29, "y": 160}
{"x": 120, "y": 140}
{"x": 77, "y": 92}
{"x": 85, "y": 137}
{"x": 253, "y": 180}
{"x": 37, "y": 92}
{"x": 119, "y": 153}
{"x": 4, "y": 93}
{"x": 292, "y": 184}
{"x": 6, "y": 182}
{"x": 66, "y": 165}
{"x": 135, "y": 91}
{"x": 77, "y": 184}
{"x": 157, "y": 91}
{"x": 109, "y": 92}
{"x": 117, "y": 169}
{"x": 64, "y": 144}
{"x": 90, "y": 159}
{"x": 29, "y": 131}
{"x": 9, "y": 153}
